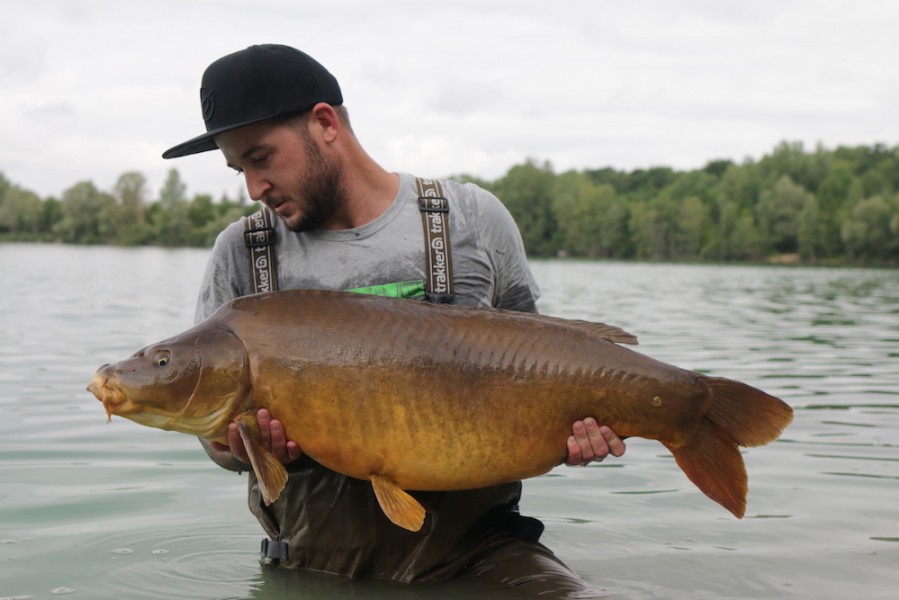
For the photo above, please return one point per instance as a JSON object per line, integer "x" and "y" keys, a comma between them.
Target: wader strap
{"x": 259, "y": 236}
{"x": 438, "y": 257}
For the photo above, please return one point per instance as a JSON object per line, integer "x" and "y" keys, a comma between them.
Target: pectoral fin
{"x": 399, "y": 506}
{"x": 270, "y": 473}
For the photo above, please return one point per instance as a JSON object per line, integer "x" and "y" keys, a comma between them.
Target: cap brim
{"x": 206, "y": 141}
{"x": 201, "y": 143}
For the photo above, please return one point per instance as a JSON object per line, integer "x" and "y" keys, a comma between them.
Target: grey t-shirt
{"x": 331, "y": 522}
{"x": 489, "y": 263}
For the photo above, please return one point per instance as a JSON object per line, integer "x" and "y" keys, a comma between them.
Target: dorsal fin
{"x": 600, "y": 330}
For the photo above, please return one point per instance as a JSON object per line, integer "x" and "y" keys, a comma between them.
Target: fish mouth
{"x": 106, "y": 392}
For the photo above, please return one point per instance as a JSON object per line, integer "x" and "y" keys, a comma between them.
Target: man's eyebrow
{"x": 246, "y": 155}
{"x": 251, "y": 150}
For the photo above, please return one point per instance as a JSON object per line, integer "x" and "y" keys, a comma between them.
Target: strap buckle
{"x": 433, "y": 204}
{"x": 273, "y": 550}
{"x": 259, "y": 237}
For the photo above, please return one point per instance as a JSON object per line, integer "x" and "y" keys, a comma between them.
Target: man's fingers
{"x": 615, "y": 444}
{"x": 272, "y": 437}
{"x": 582, "y": 437}
{"x": 278, "y": 440}
{"x": 589, "y": 441}
{"x": 235, "y": 443}
{"x": 264, "y": 419}
{"x": 574, "y": 452}
{"x": 596, "y": 440}
{"x": 293, "y": 451}
{"x": 580, "y": 448}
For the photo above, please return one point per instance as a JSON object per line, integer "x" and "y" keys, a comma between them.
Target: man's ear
{"x": 323, "y": 118}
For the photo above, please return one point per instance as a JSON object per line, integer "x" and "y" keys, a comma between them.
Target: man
{"x": 345, "y": 223}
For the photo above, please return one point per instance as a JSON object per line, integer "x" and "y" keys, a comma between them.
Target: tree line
{"x": 125, "y": 215}
{"x": 831, "y": 206}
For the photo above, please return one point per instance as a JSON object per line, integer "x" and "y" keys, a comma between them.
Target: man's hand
{"x": 590, "y": 441}
{"x": 272, "y": 438}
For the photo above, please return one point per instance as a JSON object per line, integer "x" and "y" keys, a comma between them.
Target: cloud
{"x": 93, "y": 88}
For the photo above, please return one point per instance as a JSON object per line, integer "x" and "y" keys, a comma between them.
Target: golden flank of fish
{"x": 414, "y": 396}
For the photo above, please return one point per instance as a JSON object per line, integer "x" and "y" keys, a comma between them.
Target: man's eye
{"x": 260, "y": 161}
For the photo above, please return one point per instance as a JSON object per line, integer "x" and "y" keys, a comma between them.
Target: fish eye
{"x": 162, "y": 358}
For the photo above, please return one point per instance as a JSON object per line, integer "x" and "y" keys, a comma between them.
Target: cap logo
{"x": 207, "y": 101}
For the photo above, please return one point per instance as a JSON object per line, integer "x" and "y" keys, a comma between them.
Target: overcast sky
{"x": 90, "y": 89}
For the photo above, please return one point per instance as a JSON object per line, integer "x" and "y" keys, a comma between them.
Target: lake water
{"x": 90, "y": 510}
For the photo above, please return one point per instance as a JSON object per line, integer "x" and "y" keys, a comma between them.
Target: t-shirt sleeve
{"x": 516, "y": 288}
{"x": 227, "y": 272}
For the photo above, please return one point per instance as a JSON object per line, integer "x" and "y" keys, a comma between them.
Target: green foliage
{"x": 20, "y": 211}
{"x": 778, "y": 212}
{"x": 833, "y": 206}
{"x": 582, "y": 210}
{"x": 526, "y": 191}
{"x": 86, "y": 215}
{"x": 82, "y": 206}
{"x": 870, "y": 231}
{"x": 823, "y": 206}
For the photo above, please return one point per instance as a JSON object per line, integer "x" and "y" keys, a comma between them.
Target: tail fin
{"x": 712, "y": 461}
{"x": 750, "y": 416}
{"x": 741, "y": 415}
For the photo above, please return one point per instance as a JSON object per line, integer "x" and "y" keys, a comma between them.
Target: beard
{"x": 319, "y": 185}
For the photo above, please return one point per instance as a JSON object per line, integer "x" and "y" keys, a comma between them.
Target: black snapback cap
{"x": 255, "y": 84}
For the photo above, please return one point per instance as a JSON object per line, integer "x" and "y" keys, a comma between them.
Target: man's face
{"x": 285, "y": 169}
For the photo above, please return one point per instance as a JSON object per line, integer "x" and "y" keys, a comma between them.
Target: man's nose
{"x": 257, "y": 186}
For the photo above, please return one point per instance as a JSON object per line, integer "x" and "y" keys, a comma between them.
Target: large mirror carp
{"x": 415, "y": 396}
